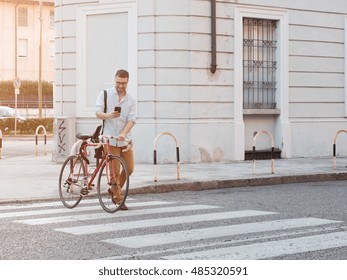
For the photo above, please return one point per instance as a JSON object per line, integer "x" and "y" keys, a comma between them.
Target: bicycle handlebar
{"x": 128, "y": 141}
{"x": 101, "y": 138}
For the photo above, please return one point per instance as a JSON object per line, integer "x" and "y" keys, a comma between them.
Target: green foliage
{"x": 27, "y": 126}
{"x": 28, "y": 89}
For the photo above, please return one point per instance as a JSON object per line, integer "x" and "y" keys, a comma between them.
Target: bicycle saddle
{"x": 82, "y": 136}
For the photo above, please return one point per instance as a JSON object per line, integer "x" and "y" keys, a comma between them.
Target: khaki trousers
{"x": 118, "y": 177}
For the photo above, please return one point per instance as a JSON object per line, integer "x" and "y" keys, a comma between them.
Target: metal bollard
{"x": 334, "y": 146}
{"x": 155, "y": 156}
{"x": 45, "y": 138}
{"x": 272, "y": 150}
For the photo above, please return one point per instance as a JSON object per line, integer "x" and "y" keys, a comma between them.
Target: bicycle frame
{"x": 83, "y": 153}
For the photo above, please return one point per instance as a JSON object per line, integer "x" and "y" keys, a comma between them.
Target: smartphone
{"x": 117, "y": 109}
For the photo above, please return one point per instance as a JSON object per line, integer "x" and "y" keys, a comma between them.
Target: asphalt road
{"x": 303, "y": 221}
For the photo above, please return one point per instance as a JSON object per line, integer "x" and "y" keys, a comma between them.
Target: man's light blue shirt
{"x": 114, "y": 127}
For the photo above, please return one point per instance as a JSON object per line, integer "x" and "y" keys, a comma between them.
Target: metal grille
{"x": 22, "y": 16}
{"x": 259, "y": 63}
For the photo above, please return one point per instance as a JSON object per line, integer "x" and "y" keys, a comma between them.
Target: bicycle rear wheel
{"x": 71, "y": 180}
{"x": 105, "y": 182}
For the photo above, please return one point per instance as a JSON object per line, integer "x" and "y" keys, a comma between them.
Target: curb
{"x": 231, "y": 183}
{"x": 175, "y": 186}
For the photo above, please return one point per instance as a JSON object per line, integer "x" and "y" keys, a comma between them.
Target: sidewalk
{"x": 25, "y": 178}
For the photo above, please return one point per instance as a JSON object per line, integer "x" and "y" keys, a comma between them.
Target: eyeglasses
{"x": 121, "y": 83}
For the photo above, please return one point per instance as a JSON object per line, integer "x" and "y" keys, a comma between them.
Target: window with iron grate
{"x": 259, "y": 63}
{"x": 22, "y": 16}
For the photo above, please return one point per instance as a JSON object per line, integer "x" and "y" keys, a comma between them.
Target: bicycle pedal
{"x": 84, "y": 191}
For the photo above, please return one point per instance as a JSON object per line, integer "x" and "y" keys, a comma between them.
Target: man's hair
{"x": 122, "y": 73}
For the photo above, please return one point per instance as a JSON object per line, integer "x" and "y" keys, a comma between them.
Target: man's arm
{"x": 126, "y": 130}
{"x": 104, "y": 116}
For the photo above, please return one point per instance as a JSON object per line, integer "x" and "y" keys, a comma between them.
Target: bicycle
{"x": 76, "y": 181}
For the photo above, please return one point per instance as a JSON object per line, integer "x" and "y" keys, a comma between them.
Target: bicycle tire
{"x": 104, "y": 183}
{"x": 68, "y": 179}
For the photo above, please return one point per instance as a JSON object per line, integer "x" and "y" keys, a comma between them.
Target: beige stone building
{"x": 212, "y": 72}
{"x": 21, "y": 34}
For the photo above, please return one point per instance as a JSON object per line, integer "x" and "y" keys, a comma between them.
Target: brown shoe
{"x": 111, "y": 194}
{"x": 124, "y": 207}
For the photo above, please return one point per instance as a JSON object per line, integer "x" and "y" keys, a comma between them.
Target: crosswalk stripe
{"x": 161, "y": 222}
{"x": 77, "y": 209}
{"x": 33, "y": 205}
{"x": 204, "y": 245}
{"x": 269, "y": 249}
{"x": 48, "y": 204}
{"x": 96, "y": 216}
{"x": 214, "y": 232}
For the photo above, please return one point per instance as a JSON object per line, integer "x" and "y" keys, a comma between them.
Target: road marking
{"x": 96, "y": 216}
{"x": 48, "y": 204}
{"x": 204, "y": 245}
{"x": 161, "y": 222}
{"x": 77, "y": 209}
{"x": 214, "y": 232}
{"x": 43, "y": 204}
{"x": 269, "y": 249}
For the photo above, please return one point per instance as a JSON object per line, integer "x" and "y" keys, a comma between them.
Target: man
{"x": 118, "y": 124}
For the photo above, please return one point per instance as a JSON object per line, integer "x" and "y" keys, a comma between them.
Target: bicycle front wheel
{"x": 105, "y": 182}
{"x": 71, "y": 179}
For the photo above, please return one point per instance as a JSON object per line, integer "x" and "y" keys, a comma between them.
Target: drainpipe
{"x": 213, "y": 68}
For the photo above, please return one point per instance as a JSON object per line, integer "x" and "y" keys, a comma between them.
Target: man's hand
{"x": 113, "y": 115}
{"x": 121, "y": 137}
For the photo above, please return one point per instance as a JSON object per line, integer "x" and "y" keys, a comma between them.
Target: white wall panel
{"x": 100, "y": 53}
{"x": 172, "y": 110}
{"x": 172, "y": 24}
{"x": 304, "y": 145}
{"x": 316, "y": 64}
{"x": 316, "y": 110}
{"x": 146, "y": 41}
{"x": 101, "y": 68}
{"x": 146, "y": 76}
{"x": 146, "y": 24}
{"x": 319, "y": 19}
{"x": 68, "y": 28}
{"x": 200, "y": 8}
{"x": 65, "y": 12}
{"x": 69, "y": 77}
{"x": 146, "y": 8}
{"x": 211, "y": 110}
{"x": 212, "y": 93}
{"x": 146, "y": 58}
{"x": 172, "y": 41}
{"x": 67, "y": 45}
{"x": 301, "y": 94}
{"x": 147, "y": 93}
{"x": 316, "y": 79}
{"x": 145, "y": 110}
{"x": 170, "y": 93}
{"x": 316, "y": 49}
{"x": 173, "y": 76}
{"x": 172, "y": 59}
{"x": 177, "y": 7}
{"x": 320, "y": 34}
